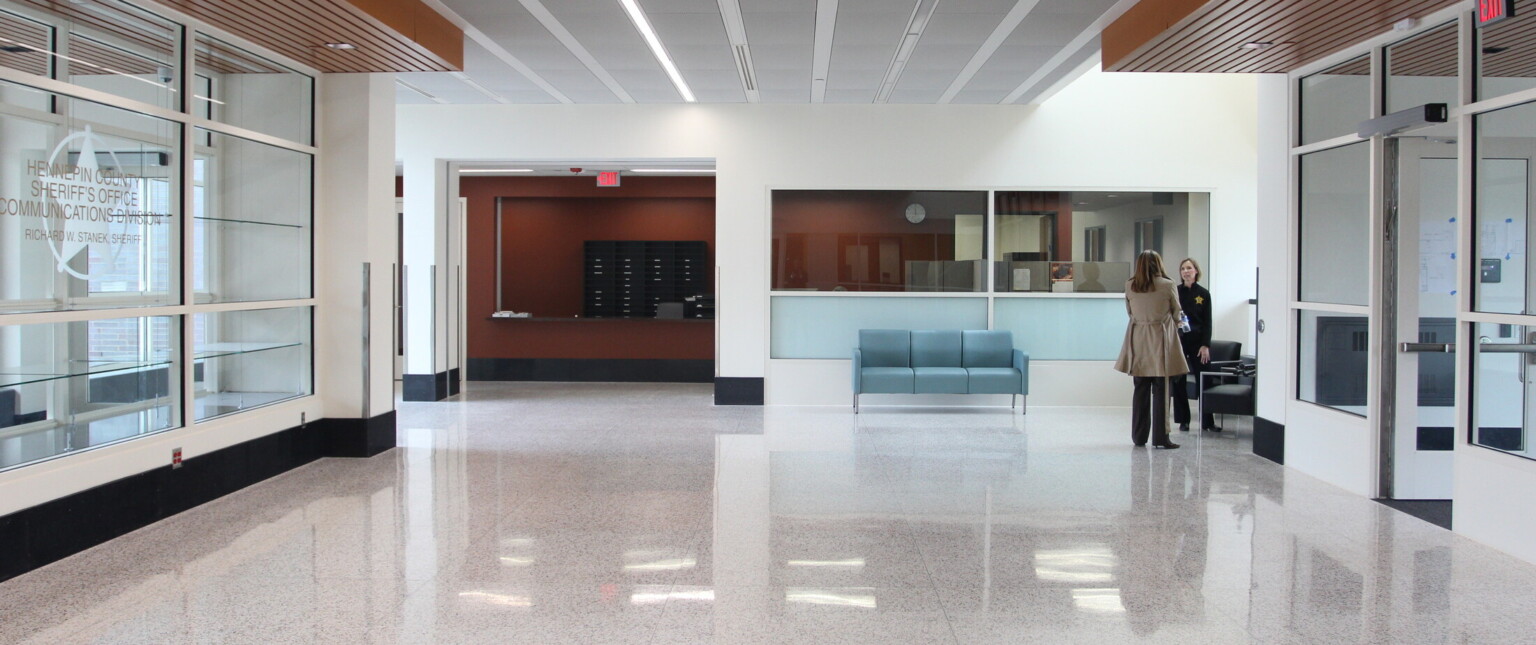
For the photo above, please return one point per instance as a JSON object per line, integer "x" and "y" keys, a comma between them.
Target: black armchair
{"x": 1229, "y": 390}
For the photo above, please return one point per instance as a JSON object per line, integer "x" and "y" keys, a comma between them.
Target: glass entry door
{"x": 1420, "y": 304}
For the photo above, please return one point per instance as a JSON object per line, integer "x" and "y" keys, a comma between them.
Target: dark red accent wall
{"x": 545, "y": 220}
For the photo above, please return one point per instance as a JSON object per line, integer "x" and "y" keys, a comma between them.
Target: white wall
{"x": 1105, "y": 131}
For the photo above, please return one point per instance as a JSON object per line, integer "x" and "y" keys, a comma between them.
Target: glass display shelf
{"x": 215, "y": 350}
{"x": 24, "y": 374}
{"x": 246, "y": 221}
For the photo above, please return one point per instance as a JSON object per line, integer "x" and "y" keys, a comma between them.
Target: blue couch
{"x": 938, "y": 361}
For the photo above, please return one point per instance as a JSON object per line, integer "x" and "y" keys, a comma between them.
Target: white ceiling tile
{"x": 654, "y": 7}
{"x": 781, "y": 34}
{"x": 980, "y": 97}
{"x": 778, "y": 6}
{"x": 850, "y": 96}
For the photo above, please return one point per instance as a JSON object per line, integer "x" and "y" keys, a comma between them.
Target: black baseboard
{"x": 356, "y": 437}
{"x": 36, "y": 536}
{"x": 738, "y": 391}
{"x": 425, "y": 387}
{"x": 453, "y": 381}
{"x": 616, "y": 370}
{"x": 1269, "y": 440}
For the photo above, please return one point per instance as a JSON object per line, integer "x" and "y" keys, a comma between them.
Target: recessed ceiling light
{"x": 1260, "y": 46}
{"x": 341, "y": 45}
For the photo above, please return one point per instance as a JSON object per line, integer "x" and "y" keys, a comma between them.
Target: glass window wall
{"x": 1503, "y": 387}
{"x": 1423, "y": 70}
{"x": 879, "y": 240}
{"x": 1086, "y": 242}
{"x": 1335, "y": 101}
{"x": 242, "y": 89}
{"x": 252, "y": 210}
{"x": 1503, "y": 205}
{"x": 90, "y": 218}
{"x": 247, "y": 359}
{"x": 1501, "y": 54}
{"x": 88, "y": 214}
{"x": 1332, "y": 360}
{"x": 69, "y": 386}
{"x": 1335, "y": 223}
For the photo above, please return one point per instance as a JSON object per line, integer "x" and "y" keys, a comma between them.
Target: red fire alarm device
{"x": 608, "y": 179}
{"x": 1494, "y": 11}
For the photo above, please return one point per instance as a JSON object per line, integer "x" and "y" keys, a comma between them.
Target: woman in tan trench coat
{"x": 1151, "y": 352}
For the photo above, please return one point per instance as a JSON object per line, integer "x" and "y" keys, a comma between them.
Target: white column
{"x": 1275, "y": 259}
{"x": 355, "y": 224}
{"x": 430, "y": 184}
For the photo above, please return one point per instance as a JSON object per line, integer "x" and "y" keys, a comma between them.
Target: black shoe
{"x": 1141, "y": 445}
{"x": 1211, "y": 429}
{"x": 1183, "y": 427}
{"x": 1169, "y": 445}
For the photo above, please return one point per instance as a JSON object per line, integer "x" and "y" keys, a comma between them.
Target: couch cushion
{"x": 936, "y": 348}
{"x": 886, "y": 347}
{"x": 941, "y": 380}
{"x": 995, "y": 380}
{"x": 886, "y": 380}
{"x": 987, "y": 348}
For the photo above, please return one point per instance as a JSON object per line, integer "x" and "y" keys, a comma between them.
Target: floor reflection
{"x": 641, "y": 513}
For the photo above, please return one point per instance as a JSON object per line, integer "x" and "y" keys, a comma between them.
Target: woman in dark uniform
{"x": 1196, "y": 303}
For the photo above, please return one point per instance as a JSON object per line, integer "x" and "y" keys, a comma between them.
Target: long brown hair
{"x": 1149, "y": 267}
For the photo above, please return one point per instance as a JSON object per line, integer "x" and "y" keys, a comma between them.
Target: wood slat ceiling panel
{"x": 298, "y": 29}
{"x": 1211, "y": 37}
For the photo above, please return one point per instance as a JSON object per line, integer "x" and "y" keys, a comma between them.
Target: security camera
{"x": 163, "y": 73}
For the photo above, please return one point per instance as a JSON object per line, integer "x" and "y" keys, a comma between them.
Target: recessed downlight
{"x": 1258, "y": 46}
{"x": 341, "y": 45}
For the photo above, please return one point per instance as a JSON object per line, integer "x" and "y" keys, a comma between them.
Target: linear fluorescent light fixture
{"x": 673, "y": 170}
{"x": 644, "y": 25}
{"x": 464, "y": 170}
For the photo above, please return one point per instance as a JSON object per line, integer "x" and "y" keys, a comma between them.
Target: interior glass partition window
{"x": 103, "y": 45}
{"x": 1502, "y": 391}
{"x": 1423, "y": 69}
{"x": 248, "y": 91}
{"x": 69, "y": 386}
{"x": 1086, "y": 242}
{"x": 879, "y": 240}
{"x": 1335, "y": 223}
{"x": 1501, "y": 55}
{"x": 1335, "y": 101}
{"x": 247, "y": 359}
{"x": 1503, "y": 207}
{"x": 253, "y": 215}
{"x": 1333, "y": 359}
{"x": 88, "y": 217}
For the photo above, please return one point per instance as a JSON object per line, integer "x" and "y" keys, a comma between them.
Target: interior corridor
{"x": 633, "y": 513}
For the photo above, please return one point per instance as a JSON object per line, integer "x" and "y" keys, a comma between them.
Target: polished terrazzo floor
{"x": 601, "y": 513}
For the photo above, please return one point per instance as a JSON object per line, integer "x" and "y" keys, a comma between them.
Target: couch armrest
{"x": 1021, "y": 363}
{"x": 858, "y": 365}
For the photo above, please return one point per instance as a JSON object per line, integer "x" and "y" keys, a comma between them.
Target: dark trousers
{"x": 1181, "y": 392}
{"x": 1149, "y": 410}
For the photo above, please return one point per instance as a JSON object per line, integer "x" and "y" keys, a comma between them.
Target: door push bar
{"x": 1485, "y": 348}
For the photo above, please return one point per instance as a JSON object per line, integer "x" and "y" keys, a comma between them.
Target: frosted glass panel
{"x": 810, "y": 327}
{"x": 1064, "y": 329}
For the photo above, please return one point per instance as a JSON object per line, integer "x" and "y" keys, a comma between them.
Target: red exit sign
{"x": 1494, "y": 11}
{"x": 608, "y": 179}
